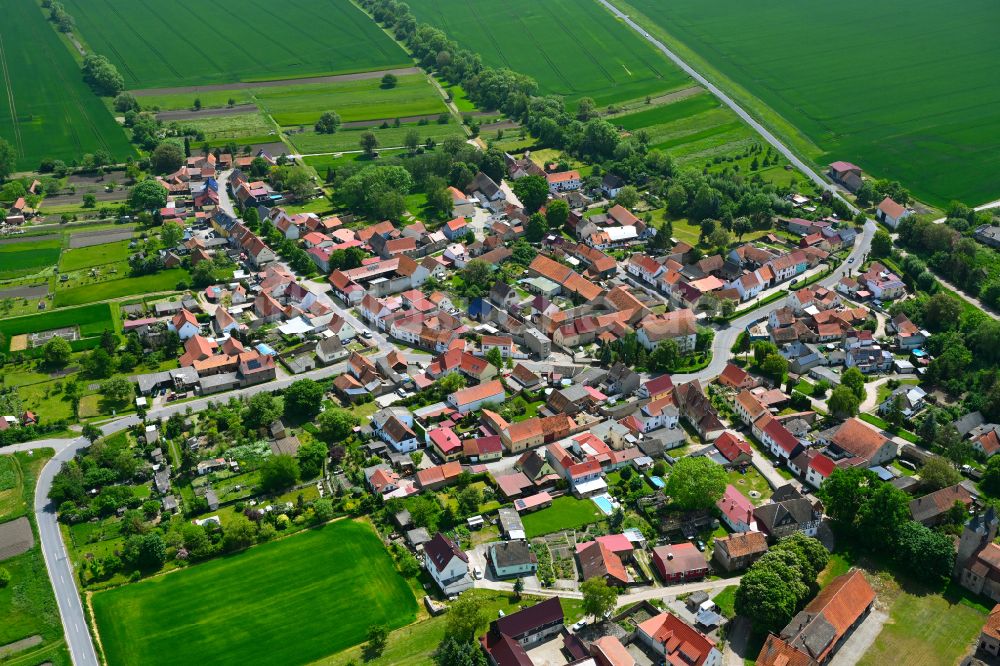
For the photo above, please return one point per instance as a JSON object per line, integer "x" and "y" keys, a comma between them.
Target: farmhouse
{"x": 447, "y": 564}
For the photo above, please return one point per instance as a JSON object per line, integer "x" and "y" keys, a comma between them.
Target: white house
{"x": 184, "y": 324}
{"x": 748, "y": 285}
{"x": 891, "y": 213}
{"x": 394, "y": 425}
{"x": 563, "y": 181}
{"x": 644, "y": 267}
{"x": 447, "y": 565}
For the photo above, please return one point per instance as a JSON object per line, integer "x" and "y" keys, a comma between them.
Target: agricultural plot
{"x": 46, "y": 109}
{"x": 353, "y": 100}
{"x": 92, "y": 320}
{"x": 146, "y": 284}
{"x": 308, "y": 142}
{"x": 574, "y": 49}
{"x": 94, "y": 255}
{"x": 193, "y": 43}
{"x": 30, "y": 257}
{"x": 282, "y": 602}
{"x": 234, "y": 126}
{"x": 924, "y": 111}
{"x": 693, "y": 130}
{"x": 566, "y": 513}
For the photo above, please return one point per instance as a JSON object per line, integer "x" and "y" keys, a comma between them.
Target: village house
{"x": 679, "y": 563}
{"x": 736, "y": 552}
{"x": 891, "y": 213}
{"x": 937, "y": 507}
{"x": 511, "y": 559}
{"x": 473, "y": 398}
{"x": 447, "y": 564}
{"x": 510, "y": 637}
{"x": 780, "y": 519}
{"x": 676, "y": 642}
{"x": 563, "y": 181}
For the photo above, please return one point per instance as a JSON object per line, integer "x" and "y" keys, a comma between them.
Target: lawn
{"x": 926, "y": 630}
{"x": 95, "y": 255}
{"x": 566, "y": 513}
{"x": 751, "y": 480}
{"x": 29, "y": 257}
{"x": 146, "y": 284}
{"x": 27, "y": 605}
{"x": 48, "y": 111}
{"x": 92, "y": 320}
{"x": 349, "y": 139}
{"x": 290, "y": 601}
{"x": 573, "y": 49}
{"x": 898, "y": 109}
{"x": 218, "y": 45}
{"x": 726, "y": 601}
{"x": 236, "y": 126}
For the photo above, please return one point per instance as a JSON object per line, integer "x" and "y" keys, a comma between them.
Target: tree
{"x": 495, "y": 357}
{"x": 586, "y": 109}
{"x": 812, "y": 554}
{"x": 628, "y": 197}
{"x": 439, "y": 199}
{"x": 665, "y": 356}
{"x": 762, "y": 350}
{"x": 769, "y": 594}
{"x": 4, "y": 578}
{"x": 89, "y": 200}
{"x": 91, "y": 432}
{"x": 926, "y": 553}
{"x": 536, "y": 229}
{"x": 328, "y": 123}
{"x": 102, "y": 76}
{"x": 478, "y": 277}
{"x": 556, "y": 214}
{"x": 991, "y": 477}
{"x": 854, "y": 380}
{"x": 117, "y": 390}
{"x": 389, "y": 80}
{"x": 56, "y": 352}
{"x": 941, "y": 312}
{"x": 881, "y": 244}
{"x": 720, "y": 237}
{"x": 261, "y": 411}
{"x": 311, "y": 458}
{"x": 774, "y": 366}
{"x": 532, "y": 191}
{"x": 378, "y": 635}
{"x": 167, "y": 157}
{"x": 238, "y": 534}
{"x": 147, "y": 195}
{"x": 518, "y": 587}
{"x": 469, "y": 499}
{"x": 8, "y": 159}
{"x": 466, "y": 615}
{"x": 279, "y": 473}
{"x": 368, "y": 143}
{"x": 147, "y": 552}
{"x": 696, "y": 483}
{"x": 599, "y": 598}
{"x": 303, "y": 400}
{"x": 97, "y": 363}
{"x": 336, "y": 425}
{"x": 454, "y": 652}
{"x": 843, "y": 403}
{"x": 412, "y": 140}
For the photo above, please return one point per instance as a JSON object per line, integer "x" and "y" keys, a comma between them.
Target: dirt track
{"x": 358, "y": 76}
{"x": 35, "y": 291}
{"x": 88, "y": 238}
{"x": 186, "y": 114}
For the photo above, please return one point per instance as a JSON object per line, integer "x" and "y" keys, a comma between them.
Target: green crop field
{"x": 693, "y": 130}
{"x": 571, "y": 48}
{"x": 28, "y": 257}
{"x": 91, "y": 319}
{"x": 146, "y": 284}
{"x": 309, "y": 142}
{"x": 290, "y": 601}
{"x": 924, "y": 109}
{"x": 95, "y": 255}
{"x": 47, "y": 110}
{"x": 353, "y": 100}
{"x": 186, "y": 42}
{"x": 236, "y": 126}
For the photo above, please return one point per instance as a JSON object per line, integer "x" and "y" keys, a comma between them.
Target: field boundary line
{"x": 10, "y": 100}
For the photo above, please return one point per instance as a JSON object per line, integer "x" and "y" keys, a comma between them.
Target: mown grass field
{"x": 574, "y": 49}
{"x": 566, "y": 513}
{"x": 92, "y": 320}
{"x": 353, "y": 100}
{"x": 30, "y": 257}
{"x": 146, "y": 284}
{"x": 349, "y": 139}
{"x": 695, "y": 129}
{"x": 95, "y": 255}
{"x": 295, "y": 600}
{"x": 187, "y": 42}
{"x": 923, "y": 110}
{"x": 46, "y": 109}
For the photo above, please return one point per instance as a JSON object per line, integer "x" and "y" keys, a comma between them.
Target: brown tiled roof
{"x": 743, "y": 544}
{"x": 858, "y": 439}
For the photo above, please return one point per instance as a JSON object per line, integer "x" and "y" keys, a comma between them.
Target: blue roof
{"x": 265, "y": 349}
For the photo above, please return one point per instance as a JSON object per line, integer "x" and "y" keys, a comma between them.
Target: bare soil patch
{"x": 187, "y": 114}
{"x": 15, "y": 538}
{"x": 35, "y": 291}
{"x": 88, "y": 238}
{"x": 17, "y": 646}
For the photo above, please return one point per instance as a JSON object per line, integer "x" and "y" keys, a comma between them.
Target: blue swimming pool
{"x": 603, "y": 503}
{"x": 657, "y": 481}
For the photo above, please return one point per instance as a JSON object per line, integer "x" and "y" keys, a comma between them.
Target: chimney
{"x": 670, "y": 556}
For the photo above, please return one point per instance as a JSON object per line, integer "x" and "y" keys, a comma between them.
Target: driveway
{"x": 860, "y": 639}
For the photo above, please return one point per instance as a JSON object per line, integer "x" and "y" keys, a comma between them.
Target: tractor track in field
{"x": 10, "y": 100}
{"x": 250, "y": 85}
